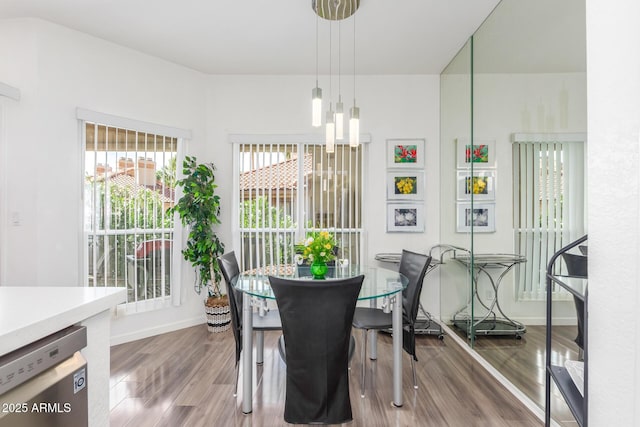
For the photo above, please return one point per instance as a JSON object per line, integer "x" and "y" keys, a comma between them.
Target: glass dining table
{"x": 378, "y": 283}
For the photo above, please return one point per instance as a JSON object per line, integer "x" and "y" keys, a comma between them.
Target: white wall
{"x": 58, "y": 70}
{"x": 504, "y": 104}
{"x": 613, "y": 79}
{"x": 390, "y": 107}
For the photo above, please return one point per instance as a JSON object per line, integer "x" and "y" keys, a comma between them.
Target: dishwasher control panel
{"x": 26, "y": 362}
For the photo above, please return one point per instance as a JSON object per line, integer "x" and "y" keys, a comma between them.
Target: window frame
{"x": 85, "y": 116}
{"x": 302, "y": 140}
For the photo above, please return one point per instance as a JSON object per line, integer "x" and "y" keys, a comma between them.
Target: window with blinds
{"x": 129, "y": 185}
{"x": 549, "y": 203}
{"x": 289, "y": 189}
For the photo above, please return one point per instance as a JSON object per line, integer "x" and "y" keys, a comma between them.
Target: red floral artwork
{"x": 405, "y": 154}
{"x": 480, "y": 154}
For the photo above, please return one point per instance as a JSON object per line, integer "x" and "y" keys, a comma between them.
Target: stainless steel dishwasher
{"x": 44, "y": 384}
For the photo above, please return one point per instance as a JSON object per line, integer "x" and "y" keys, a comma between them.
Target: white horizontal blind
{"x": 129, "y": 185}
{"x": 549, "y": 203}
{"x": 288, "y": 189}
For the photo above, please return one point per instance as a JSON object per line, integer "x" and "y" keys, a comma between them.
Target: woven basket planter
{"x": 218, "y": 314}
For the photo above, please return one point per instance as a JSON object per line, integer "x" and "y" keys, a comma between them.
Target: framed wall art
{"x": 405, "y": 185}
{"x": 482, "y": 185}
{"x": 482, "y": 217}
{"x": 405, "y": 217}
{"x": 405, "y": 153}
{"x": 480, "y": 153}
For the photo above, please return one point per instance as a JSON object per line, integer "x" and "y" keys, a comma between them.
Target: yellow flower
{"x": 406, "y": 185}
{"x": 476, "y": 185}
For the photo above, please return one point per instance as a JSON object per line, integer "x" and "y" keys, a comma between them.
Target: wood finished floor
{"x": 186, "y": 378}
{"x": 522, "y": 362}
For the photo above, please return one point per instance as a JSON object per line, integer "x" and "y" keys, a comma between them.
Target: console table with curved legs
{"x": 493, "y": 321}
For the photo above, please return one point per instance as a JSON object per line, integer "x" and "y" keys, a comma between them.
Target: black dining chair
{"x": 414, "y": 266}
{"x": 269, "y": 322}
{"x": 316, "y": 324}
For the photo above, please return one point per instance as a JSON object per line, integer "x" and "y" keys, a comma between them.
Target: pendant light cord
{"x": 317, "y": 19}
{"x": 339, "y": 61}
{"x": 354, "y": 60}
{"x": 330, "y": 40}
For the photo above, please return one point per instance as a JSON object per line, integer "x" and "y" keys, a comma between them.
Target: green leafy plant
{"x": 199, "y": 210}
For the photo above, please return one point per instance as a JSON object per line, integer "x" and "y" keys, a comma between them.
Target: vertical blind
{"x": 549, "y": 203}
{"x": 288, "y": 189}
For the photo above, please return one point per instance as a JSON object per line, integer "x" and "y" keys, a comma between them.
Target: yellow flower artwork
{"x": 405, "y": 185}
{"x": 477, "y": 185}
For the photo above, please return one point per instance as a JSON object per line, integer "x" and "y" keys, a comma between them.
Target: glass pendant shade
{"x": 330, "y": 135}
{"x": 316, "y": 107}
{"x": 339, "y": 121}
{"x": 354, "y": 127}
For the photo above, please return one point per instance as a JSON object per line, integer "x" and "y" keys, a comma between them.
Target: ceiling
{"x": 534, "y": 36}
{"x": 272, "y": 37}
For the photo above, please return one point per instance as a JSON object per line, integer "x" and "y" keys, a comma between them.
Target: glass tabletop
{"x": 490, "y": 260}
{"x": 378, "y": 281}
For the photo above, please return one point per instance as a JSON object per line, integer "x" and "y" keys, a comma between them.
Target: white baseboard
{"x": 535, "y": 321}
{"x": 557, "y": 321}
{"x": 156, "y": 330}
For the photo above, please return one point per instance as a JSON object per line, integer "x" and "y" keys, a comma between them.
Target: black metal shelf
{"x": 569, "y": 391}
{"x": 577, "y": 402}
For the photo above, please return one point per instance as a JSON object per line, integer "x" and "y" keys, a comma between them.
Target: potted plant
{"x": 318, "y": 248}
{"x": 199, "y": 211}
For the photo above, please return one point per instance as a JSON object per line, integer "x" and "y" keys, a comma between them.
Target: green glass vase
{"x": 318, "y": 269}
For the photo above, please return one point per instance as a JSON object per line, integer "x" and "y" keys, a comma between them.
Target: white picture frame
{"x": 483, "y": 154}
{"x": 482, "y": 218}
{"x": 405, "y": 153}
{"x": 405, "y": 185}
{"x": 405, "y": 217}
{"x": 482, "y": 185}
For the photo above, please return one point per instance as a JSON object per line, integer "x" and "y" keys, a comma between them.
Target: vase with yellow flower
{"x": 318, "y": 249}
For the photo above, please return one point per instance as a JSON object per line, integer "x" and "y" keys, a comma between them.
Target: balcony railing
{"x": 140, "y": 260}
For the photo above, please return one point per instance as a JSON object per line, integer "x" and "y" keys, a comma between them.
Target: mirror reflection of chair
{"x": 414, "y": 267}
{"x": 230, "y": 269}
{"x": 577, "y": 266}
{"x": 316, "y": 323}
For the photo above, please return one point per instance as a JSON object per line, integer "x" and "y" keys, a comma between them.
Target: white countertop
{"x": 30, "y": 313}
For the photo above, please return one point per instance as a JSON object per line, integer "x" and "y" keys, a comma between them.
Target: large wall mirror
{"x": 513, "y": 155}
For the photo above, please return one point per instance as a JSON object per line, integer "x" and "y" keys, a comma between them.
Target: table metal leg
{"x": 397, "y": 349}
{"x": 373, "y": 336}
{"x": 247, "y": 354}
{"x": 262, "y": 311}
{"x": 259, "y": 347}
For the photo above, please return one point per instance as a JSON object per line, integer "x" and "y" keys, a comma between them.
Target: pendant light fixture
{"x": 330, "y": 132}
{"x": 316, "y": 92}
{"x": 354, "y": 121}
{"x": 336, "y": 10}
{"x": 330, "y": 124}
{"x": 339, "y": 104}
